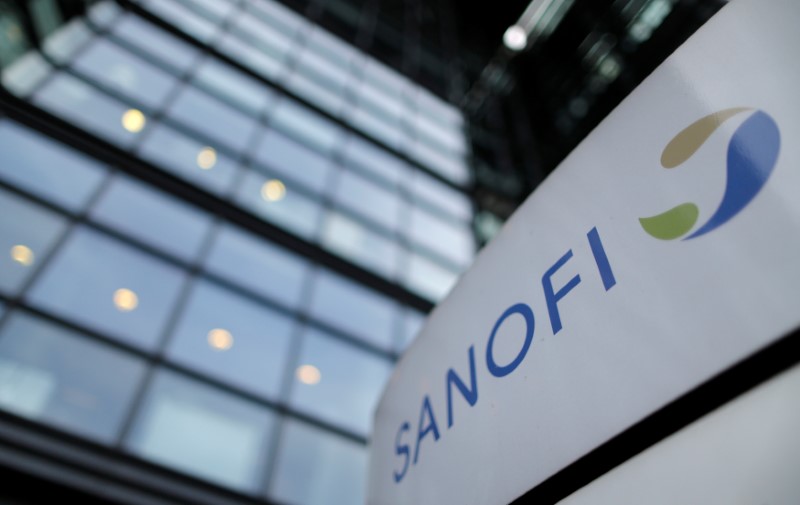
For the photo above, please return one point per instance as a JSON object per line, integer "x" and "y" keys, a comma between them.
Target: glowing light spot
{"x": 125, "y": 300}
{"x": 133, "y": 120}
{"x": 515, "y": 38}
{"x": 308, "y": 374}
{"x": 220, "y": 339}
{"x": 22, "y": 255}
{"x": 207, "y": 158}
{"x": 273, "y": 190}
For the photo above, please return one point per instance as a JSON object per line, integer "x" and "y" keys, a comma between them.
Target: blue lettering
{"x": 402, "y": 450}
{"x": 426, "y": 407}
{"x": 526, "y": 312}
{"x": 552, "y": 298}
{"x": 600, "y": 258}
{"x": 471, "y": 394}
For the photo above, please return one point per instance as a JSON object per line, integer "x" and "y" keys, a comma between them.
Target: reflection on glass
{"x": 183, "y": 18}
{"x": 255, "y": 339}
{"x": 204, "y": 432}
{"x": 273, "y": 190}
{"x": 84, "y": 276}
{"x": 61, "y": 378}
{"x": 125, "y": 300}
{"x": 133, "y": 120}
{"x": 429, "y": 191}
{"x": 178, "y": 153}
{"x": 22, "y": 254}
{"x": 351, "y": 382}
{"x": 207, "y": 158}
{"x": 258, "y": 265}
{"x": 153, "y": 217}
{"x": 220, "y": 339}
{"x": 315, "y": 467}
{"x": 308, "y": 374}
{"x": 27, "y": 234}
{"x": 62, "y": 43}
{"x": 47, "y": 168}
{"x": 353, "y": 308}
{"x": 78, "y": 102}
{"x": 294, "y": 211}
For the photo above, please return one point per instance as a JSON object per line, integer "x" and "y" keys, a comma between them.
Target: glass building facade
{"x": 220, "y": 227}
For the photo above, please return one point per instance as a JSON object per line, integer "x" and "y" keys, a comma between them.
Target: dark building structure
{"x": 223, "y": 220}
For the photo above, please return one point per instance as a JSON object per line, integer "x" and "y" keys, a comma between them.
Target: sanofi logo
{"x": 751, "y": 156}
{"x": 413, "y": 440}
{"x": 752, "y": 153}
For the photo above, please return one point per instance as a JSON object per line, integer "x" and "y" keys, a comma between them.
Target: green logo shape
{"x": 674, "y": 223}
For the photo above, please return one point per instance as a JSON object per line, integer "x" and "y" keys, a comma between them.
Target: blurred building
{"x": 223, "y": 221}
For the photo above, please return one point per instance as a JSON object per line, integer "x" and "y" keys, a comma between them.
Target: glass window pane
{"x": 239, "y": 89}
{"x": 183, "y": 18}
{"x": 315, "y": 467}
{"x": 375, "y": 161}
{"x": 354, "y": 309}
{"x": 234, "y": 339}
{"x": 294, "y": 161}
{"x": 338, "y": 382}
{"x": 112, "y": 287}
{"x": 277, "y": 15}
{"x": 245, "y": 52}
{"x": 374, "y": 126}
{"x": 153, "y": 217}
{"x": 24, "y": 75}
{"x": 202, "y": 431}
{"x": 430, "y": 191}
{"x": 316, "y": 92}
{"x": 258, "y": 265}
{"x": 87, "y": 107}
{"x": 429, "y": 279}
{"x": 59, "y": 377}
{"x": 360, "y": 244}
{"x": 66, "y": 40}
{"x": 279, "y": 202}
{"x": 301, "y": 123}
{"x": 189, "y": 159}
{"x": 262, "y": 36}
{"x": 47, "y": 168}
{"x": 120, "y": 70}
{"x": 156, "y": 42}
{"x": 211, "y": 117}
{"x": 451, "y": 166}
{"x": 28, "y": 233}
{"x": 412, "y": 324}
{"x": 451, "y": 240}
{"x": 369, "y": 200}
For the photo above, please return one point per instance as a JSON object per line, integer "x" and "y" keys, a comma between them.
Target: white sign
{"x": 663, "y": 250}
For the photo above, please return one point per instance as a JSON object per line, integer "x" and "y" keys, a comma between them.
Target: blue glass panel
{"x": 49, "y": 169}
{"x": 61, "y": 378}
{"x": 315, "y": 467}
{"x": 107, "y": 285}
{"x": 193, "y": 428}
{"x": 338, "y": 382}
{"x": 28, "y": 233}
{"x": 258, "y": 265}
{"x": 152, "y": 216}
